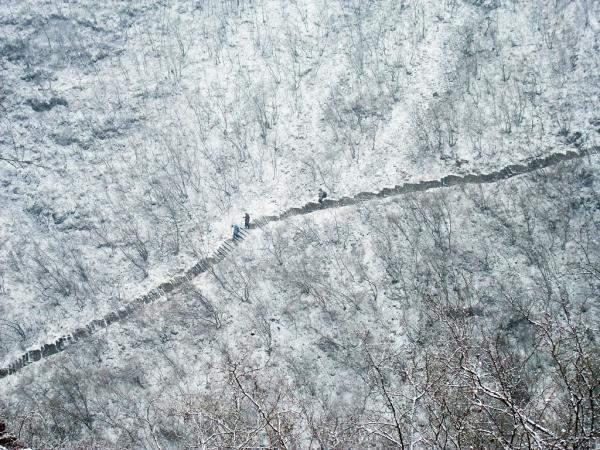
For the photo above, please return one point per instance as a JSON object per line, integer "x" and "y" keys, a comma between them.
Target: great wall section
{"x": 228, "y": 246}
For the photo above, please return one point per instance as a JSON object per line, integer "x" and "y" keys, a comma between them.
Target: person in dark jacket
{"x": 236, "y": 232}
{"x": 246, "y": 221}
{"x": 322, "y": 195}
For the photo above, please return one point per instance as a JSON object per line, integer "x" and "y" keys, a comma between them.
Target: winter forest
{"x": 445, "y": 294}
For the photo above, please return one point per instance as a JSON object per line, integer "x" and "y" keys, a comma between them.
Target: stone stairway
{"x": 228, "y": 246}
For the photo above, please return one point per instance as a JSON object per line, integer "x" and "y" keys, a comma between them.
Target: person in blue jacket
{"x": 236, "y": 232}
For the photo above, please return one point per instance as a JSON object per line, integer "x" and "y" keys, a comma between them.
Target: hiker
{"x": 236, "y": 232}
{"x": 322, "y": 195}
{"x": 246, "y": 221}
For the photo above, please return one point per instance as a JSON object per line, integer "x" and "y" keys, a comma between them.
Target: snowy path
{"x": 228, "y": 246}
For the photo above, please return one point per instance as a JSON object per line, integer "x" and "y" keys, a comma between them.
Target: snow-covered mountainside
{"x": 133, "y": 134}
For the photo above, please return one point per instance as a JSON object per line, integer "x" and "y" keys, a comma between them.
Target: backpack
{"x": 324, "y": 194}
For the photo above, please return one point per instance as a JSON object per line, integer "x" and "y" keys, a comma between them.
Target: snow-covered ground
{"x": 306, "y": 311}
{"x": 132, "y": 135}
